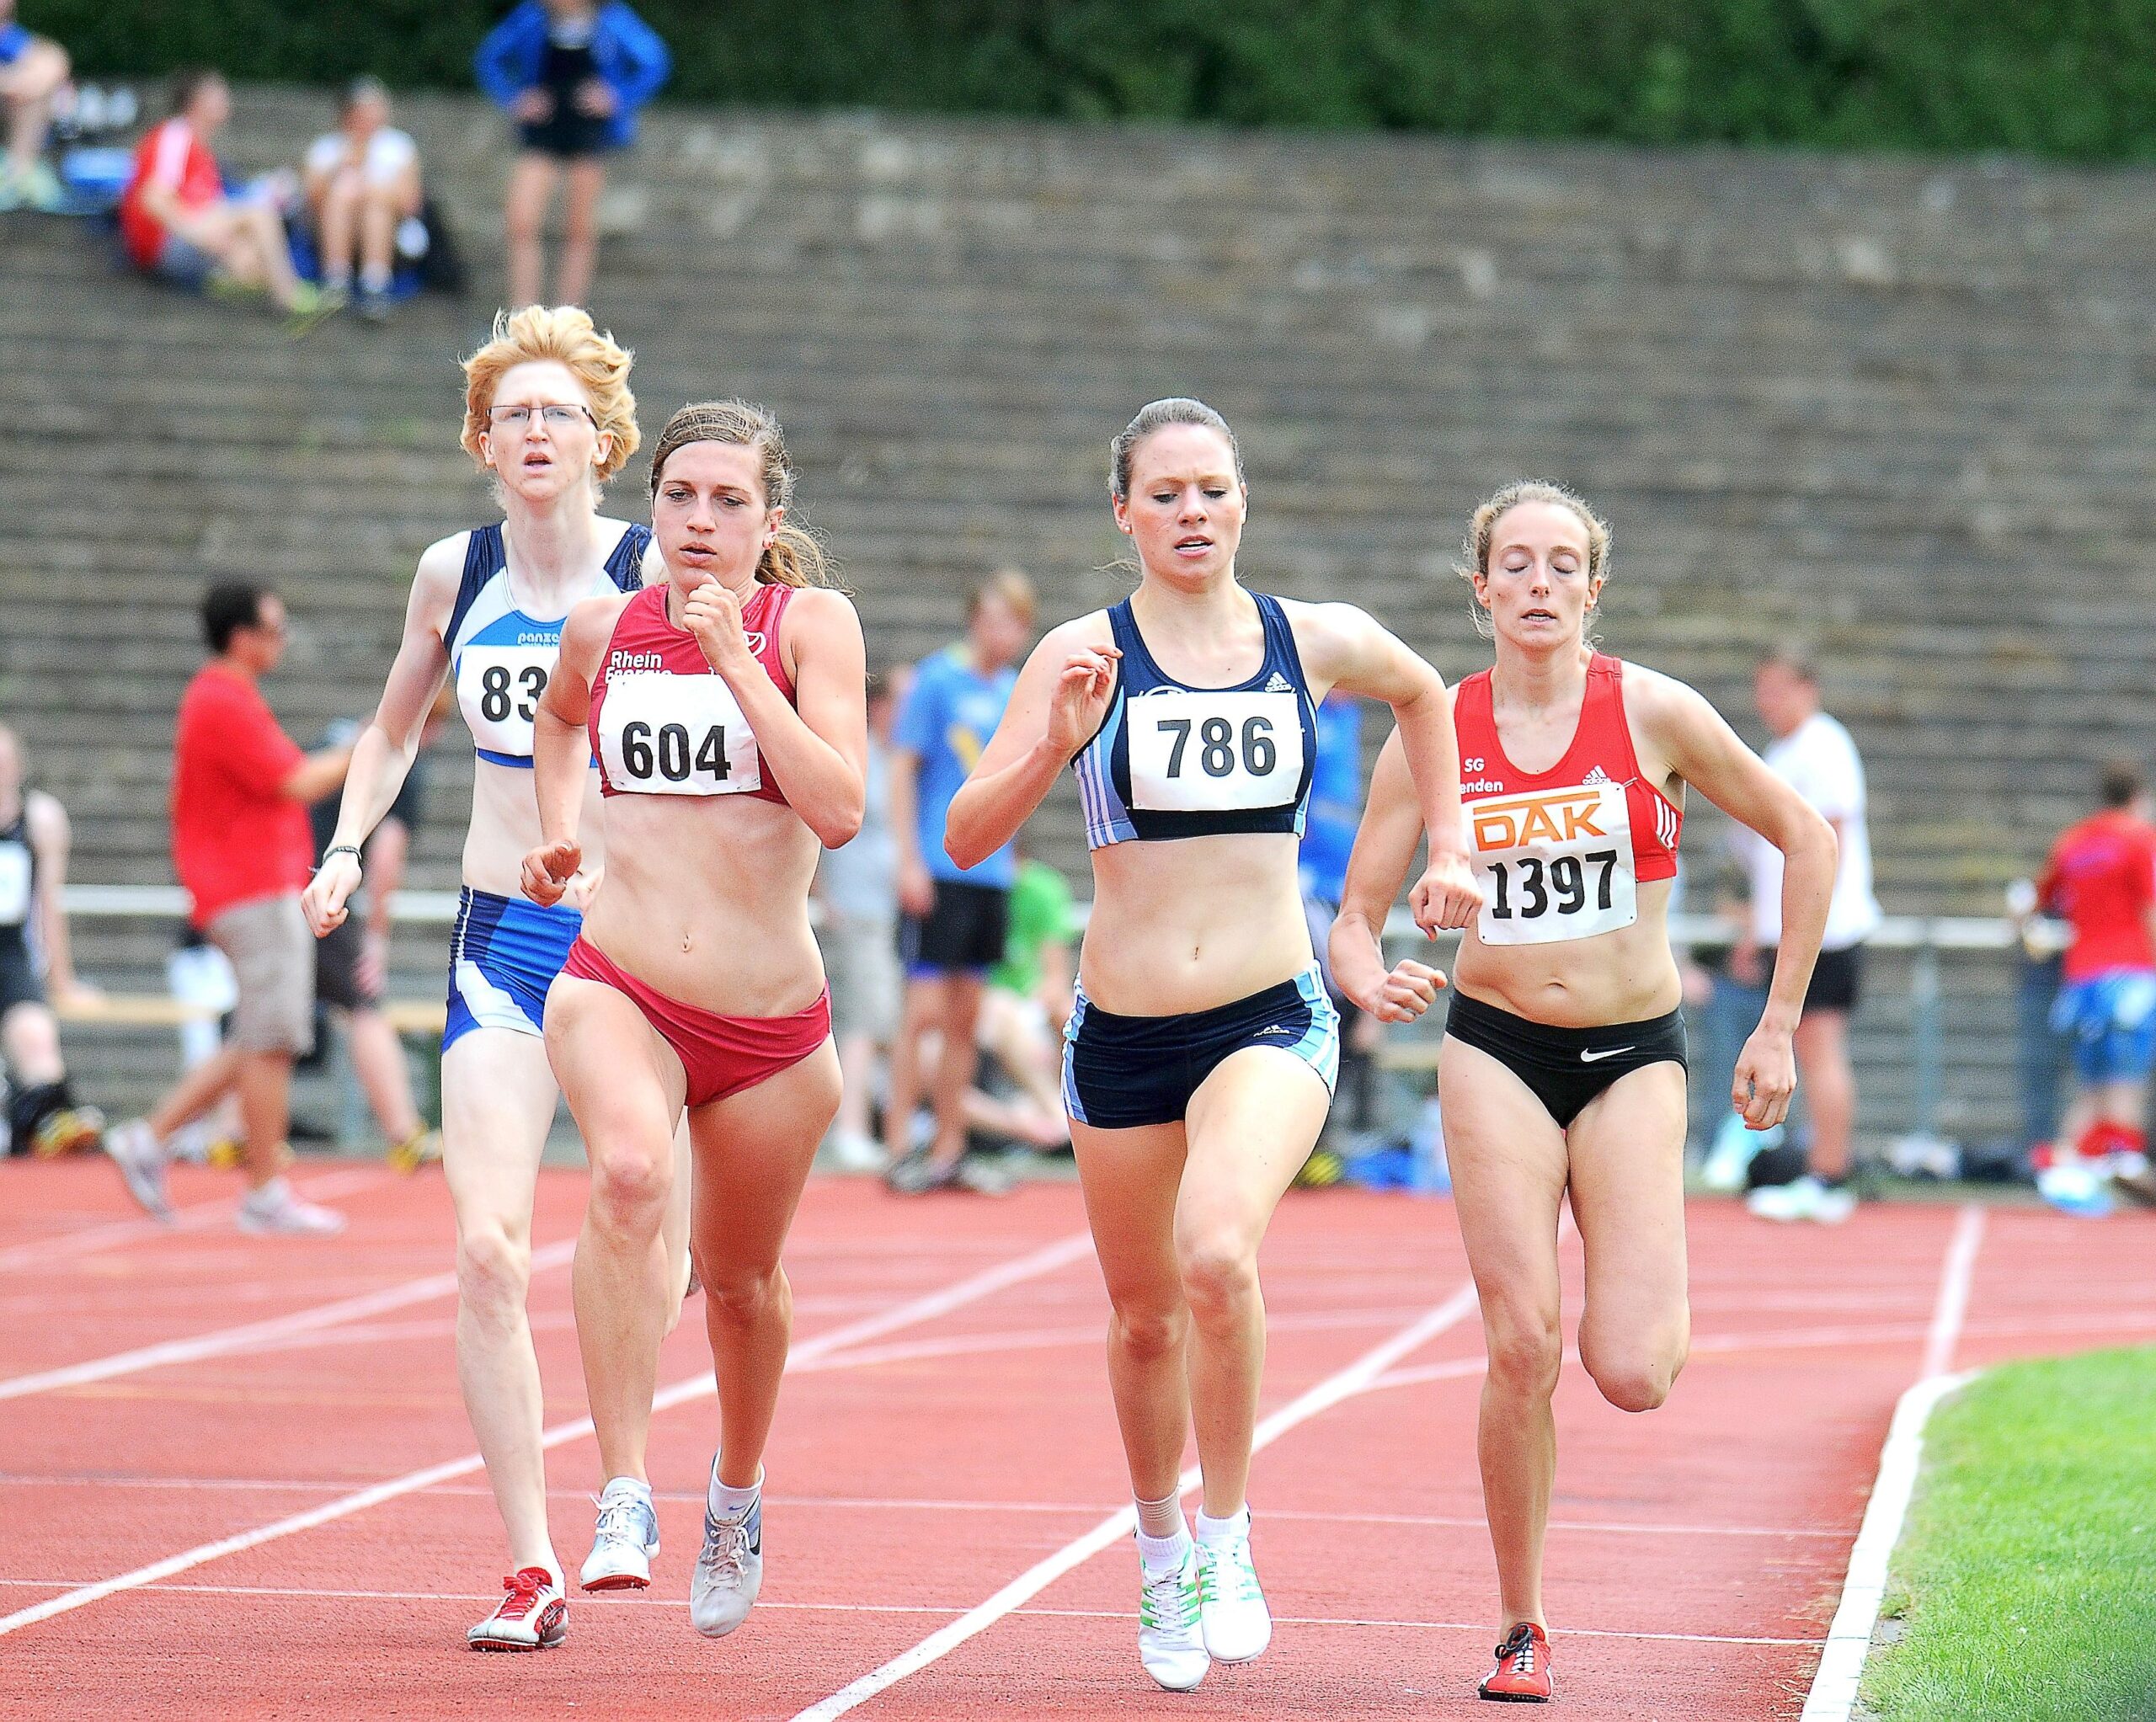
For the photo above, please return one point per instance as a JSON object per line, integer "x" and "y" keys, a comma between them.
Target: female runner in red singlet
{"x": 1563, "y": 1066}
{"x": 728, "y": 710}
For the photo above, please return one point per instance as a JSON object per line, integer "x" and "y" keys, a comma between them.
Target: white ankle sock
{"x": 1218, "y": 1531}
{"x": 728, "y": 1502}
{"x": 625, "y": 1485}
{"x": 1161, "y": 1553}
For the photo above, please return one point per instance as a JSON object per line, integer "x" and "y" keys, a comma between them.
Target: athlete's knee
{"x": 631, "y": 1187}
{"x": 744, "y": 1297}
{"x": 493, "y": 1272}
{"x": 1633, "y": 1375}
{"x": 1526, "y": 1355}
{"x": 1219, "y": 1270}
{"x": 1148, "y": 1333}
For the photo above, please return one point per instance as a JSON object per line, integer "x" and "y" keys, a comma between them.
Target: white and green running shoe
{"x": 1231, "y": 1606}
{"x": 1170, "y": 1642}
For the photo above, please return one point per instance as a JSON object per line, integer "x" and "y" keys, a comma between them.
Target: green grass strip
{"x": 2025, "y": 1579}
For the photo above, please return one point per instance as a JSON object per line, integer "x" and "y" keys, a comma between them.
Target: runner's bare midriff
{"x": 505, "y": 827}
{"x": 705, "y": 898}
{"x": 1626, "y": 976}
{"x": 1192, "y": 925}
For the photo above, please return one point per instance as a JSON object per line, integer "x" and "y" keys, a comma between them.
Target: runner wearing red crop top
{"x": 1563, "y": 1067}
{"x": 728, "y": 712}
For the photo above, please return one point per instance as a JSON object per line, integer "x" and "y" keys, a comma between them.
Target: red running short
{"x": 723, "y": 1055}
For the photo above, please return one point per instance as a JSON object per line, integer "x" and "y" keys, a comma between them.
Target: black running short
{"x": 1837, "y": 979}
{"x": 962, "y": 932}
{"x": 337, "y": 955}
{"x": 19, "y": 983}
{"x": 1565, "y": 1067}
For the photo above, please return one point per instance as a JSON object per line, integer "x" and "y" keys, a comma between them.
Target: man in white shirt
{"x": 1814, "y": 754}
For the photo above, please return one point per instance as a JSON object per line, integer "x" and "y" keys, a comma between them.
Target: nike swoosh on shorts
{"x": 1589, "y": 1058}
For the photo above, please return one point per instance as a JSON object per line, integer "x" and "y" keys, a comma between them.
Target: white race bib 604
{"x": 1192, "y": 752}
{"x": 1553, "y": 864}
{"x": 498, "y": 688}
{"x": 14, "y": 884}
{"x": 662, "y": 734}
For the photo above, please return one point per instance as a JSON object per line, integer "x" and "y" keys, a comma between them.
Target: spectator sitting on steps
{"x": 42, "y": 1116}
{"x": 361, "y": 183}
{"x": 33, "y": 76}
{"x": 178, "y": 222}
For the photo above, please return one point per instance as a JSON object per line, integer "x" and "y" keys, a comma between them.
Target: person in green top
{"x": 1026, "y": 1002}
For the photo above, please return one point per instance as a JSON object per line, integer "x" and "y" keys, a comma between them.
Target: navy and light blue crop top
{"x": 499, "y": 658}
{"x": 1171, "y": 761}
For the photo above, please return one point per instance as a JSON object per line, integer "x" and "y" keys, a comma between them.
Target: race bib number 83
{"x": 1214, "y": 753}
{"x": 676, "y": 735}
{"x": 498, "y": 688}
{"x": 1553, "y": 866}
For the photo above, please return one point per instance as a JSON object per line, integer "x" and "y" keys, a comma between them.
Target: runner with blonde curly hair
{"x": 549, "y": 414}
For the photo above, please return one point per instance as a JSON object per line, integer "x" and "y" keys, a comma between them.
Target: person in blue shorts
{"x": 954, "y": 918}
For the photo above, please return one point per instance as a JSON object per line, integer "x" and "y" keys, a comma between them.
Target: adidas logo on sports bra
{"x": 1279, "y": 684}
{"x": 1595, "y": 775}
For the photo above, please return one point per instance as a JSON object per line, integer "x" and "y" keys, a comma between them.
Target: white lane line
{"x": 624, "y": 1600}
{"x": 925, "y": 1307}
{"x": 1841, "y": 1665}
{"x": 258, "y": 1335}
{"x": 195, "y": 1219}
{"x": 1029, "y": 1584}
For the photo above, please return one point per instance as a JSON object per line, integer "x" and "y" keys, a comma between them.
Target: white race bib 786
{"x": 1553, "y": 864}
{"x": 664, "y": 735}
{"x": 1195, "y": 751}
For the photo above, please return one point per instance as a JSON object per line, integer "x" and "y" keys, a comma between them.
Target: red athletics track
{"x": 948, "y": 1431}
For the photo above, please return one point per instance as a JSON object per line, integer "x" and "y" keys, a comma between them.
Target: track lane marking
{"x": 926, "y": 1307}
{"x": 1833, "y": 1690}
{"x": 259, "y": 1335}
{"x": 1328, "y": 1393}
{"x": 194, "y": 1218}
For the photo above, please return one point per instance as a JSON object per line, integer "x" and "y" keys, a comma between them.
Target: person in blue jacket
{"x": 573, "y": 75}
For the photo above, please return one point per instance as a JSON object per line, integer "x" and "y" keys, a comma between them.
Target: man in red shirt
{"x": 2101, "y": 878}
{"x": 178, "y": 222}
{"x": 242, "y": 848}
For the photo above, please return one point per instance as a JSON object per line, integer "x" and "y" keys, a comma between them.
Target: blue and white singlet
{"x": 499, "y": 658}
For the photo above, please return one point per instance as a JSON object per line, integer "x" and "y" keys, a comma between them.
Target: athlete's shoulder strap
{"x": 625, "y": 566}
{"x": 484, "y": 556}
{"x": 1280, "y": 640}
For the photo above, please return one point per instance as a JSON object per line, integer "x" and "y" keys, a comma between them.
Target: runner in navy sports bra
{"x": 727, "y": 712}
{"x": 1200, "y": 1058}
{"x": 1563, "y": 1066}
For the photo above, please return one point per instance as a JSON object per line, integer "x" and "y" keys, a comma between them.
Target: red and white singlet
{"x": 1561, "y": 853}
{"x": 663, "y": 721}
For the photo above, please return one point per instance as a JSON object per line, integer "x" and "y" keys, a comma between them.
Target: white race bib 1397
{"x": 1193, "y": 752}
{"x": 664, "y": 734}
{"x": 1553, "y": 864}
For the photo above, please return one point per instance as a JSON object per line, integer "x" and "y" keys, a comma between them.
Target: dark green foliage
{"x": 2066, "y": 77}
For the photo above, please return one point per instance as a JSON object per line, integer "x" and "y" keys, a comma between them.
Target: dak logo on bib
{"x": 1194, "y": 752}
{"x": 1553, "y": 864}
{"x": 664, "y": 735}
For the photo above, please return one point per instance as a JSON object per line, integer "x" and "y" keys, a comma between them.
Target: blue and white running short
{"x": 503, "y": 957}
{"x": 1122, "y": 1072}
{"x": 2111, "y": 1018}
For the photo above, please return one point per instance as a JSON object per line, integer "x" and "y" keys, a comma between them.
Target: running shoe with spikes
{"x": 71, "y": 1130}
{"x": 1170, "y": 1642}
{"x": 532, "y": 1615}
{"x": 729, "y": 1569}
{"x": 1231, "y": 1606}
{"x": 1522, "y": 1675}
{"x": 624, "y": 1542}
{"x": 422, "y": 1148}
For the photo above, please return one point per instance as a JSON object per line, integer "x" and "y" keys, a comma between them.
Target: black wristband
{"x": 351, "y": 848}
